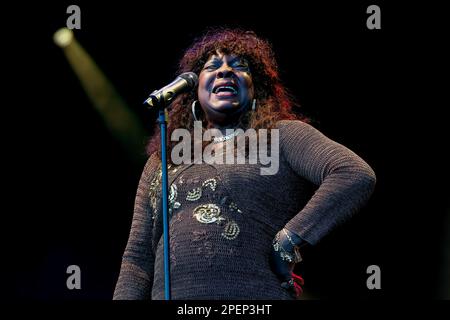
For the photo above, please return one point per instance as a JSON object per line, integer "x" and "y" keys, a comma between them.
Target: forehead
{"x": 224, "y": 56}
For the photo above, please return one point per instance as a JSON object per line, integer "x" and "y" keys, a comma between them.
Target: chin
{"x": 226, "y": 106}
{"x": 226, "y": 110}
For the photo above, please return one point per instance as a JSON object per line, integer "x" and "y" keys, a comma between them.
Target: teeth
{"x": 225, "y": 87}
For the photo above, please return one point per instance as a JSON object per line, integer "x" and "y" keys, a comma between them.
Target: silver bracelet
{"x": 294, "y": 257}
{"x": 289, "y": 238}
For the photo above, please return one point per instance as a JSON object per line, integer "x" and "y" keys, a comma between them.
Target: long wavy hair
{"x": 274, "y": 102}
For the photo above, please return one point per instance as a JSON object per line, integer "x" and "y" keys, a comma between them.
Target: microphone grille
{"x": 191, "y": 78}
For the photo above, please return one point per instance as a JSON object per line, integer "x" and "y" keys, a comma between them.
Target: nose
{"x": 225, "y": 71}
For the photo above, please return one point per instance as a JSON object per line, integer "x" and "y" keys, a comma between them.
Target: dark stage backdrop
{"x": 72, "y": 185}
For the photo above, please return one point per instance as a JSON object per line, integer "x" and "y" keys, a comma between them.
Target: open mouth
{"x": 225, "y": 90}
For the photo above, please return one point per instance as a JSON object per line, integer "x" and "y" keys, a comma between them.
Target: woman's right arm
{"x": 136, "y": 272}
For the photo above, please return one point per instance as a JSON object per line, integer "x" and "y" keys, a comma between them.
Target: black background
{"x": 71, "y": 186}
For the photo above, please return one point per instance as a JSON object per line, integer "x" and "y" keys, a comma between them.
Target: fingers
{"x": 281, "y": 267}
{"x": 293, "y": 285}
{"x": 298, "y": 279}
{"x": 284, "y": 271}
{"x": 298, "y": 290}
{"x": 293, "y": 288}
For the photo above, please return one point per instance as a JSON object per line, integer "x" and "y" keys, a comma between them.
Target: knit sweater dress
{"x": 224, "y": 217}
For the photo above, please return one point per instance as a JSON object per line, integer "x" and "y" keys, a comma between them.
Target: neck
{"x": 222, "y": 127}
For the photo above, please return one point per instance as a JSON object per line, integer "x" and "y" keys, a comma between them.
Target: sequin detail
{"x": 231, "y": 230}
{"x": 173, "y": 193}
{"x": 194, "y": 194}
{"x": 212, "y": 183}
{"x": 208, "y": 213}
{"x": 155, "y": 191}
{"x": 233, "y": 206}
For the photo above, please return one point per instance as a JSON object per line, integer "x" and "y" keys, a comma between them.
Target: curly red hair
{"x": 274, "y": 101}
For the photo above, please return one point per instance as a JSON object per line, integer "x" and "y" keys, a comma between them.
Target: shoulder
{"x": 296, "y": 128}
{"x": 152, "y": 161}
{"x": 151, "y": 166}
{"x": 291, "y": 124}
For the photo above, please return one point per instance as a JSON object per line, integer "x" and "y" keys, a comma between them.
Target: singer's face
{"x": 225, "y": 88}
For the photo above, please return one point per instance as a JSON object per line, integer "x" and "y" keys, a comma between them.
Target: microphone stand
{"x": 162, "y": 120}
{"x": 161, "y": 99}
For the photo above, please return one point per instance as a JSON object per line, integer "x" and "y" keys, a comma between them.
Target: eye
{"x": 241, "y": 66}
{"x": 211, "y": 66}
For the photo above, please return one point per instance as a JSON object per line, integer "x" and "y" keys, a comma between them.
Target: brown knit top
{"x": 223, "y": 218}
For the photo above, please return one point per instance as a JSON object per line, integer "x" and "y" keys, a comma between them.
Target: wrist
{"x": 287, "y": 244}
{"x": 294, "y": 239}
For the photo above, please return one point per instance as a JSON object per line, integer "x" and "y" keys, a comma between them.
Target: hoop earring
{"x": 254, "y": 105}
{"x": 193, "y": 110}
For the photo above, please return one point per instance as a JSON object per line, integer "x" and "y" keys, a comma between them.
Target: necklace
{"x": 225, "y": 138}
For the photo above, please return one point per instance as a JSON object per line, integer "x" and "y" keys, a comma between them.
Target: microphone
{"x": 185, "y": 82}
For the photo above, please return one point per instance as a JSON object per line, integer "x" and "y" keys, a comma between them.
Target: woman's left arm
{"x": 345, "y": 181}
